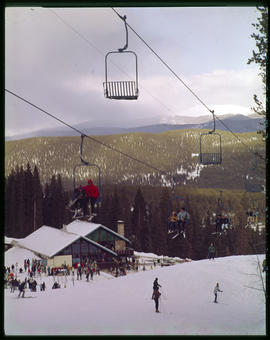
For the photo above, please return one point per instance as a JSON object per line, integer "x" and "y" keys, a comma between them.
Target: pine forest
{"x": 40, "y": 176}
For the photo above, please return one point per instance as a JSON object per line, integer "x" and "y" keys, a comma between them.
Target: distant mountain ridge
{"x": 237, "y": 123}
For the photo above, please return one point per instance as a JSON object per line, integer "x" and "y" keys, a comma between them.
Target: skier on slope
{"x": 156, "y": 286}
{"x": 22, "y": 289}
{"x": 156, "y": 294}
{"x": 211, "y": 252}
{"x": 216, "y": 290}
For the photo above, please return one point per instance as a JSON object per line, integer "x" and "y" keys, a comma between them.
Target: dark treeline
{"x": 144, "y": 211}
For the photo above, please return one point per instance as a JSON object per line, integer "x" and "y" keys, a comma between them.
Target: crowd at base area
{"x": 17, "y": 285}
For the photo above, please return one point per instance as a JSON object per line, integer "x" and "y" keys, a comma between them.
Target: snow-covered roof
{"x": 12, "y": 240}
{"x": 49, "y": 241}
{"x": 84, "y": 228}
{"x": 18, "y": 255}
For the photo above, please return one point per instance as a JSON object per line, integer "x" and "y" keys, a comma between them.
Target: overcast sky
{"x": 55, "y": 59}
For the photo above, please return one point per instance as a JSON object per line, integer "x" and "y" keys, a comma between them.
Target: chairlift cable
{"x": 123, "y": 18}
{"x": 101, "y": 52}
{"x": 177, "y": 76}
{"x": 89, "y": 137}
{"x": 164, "y": 63}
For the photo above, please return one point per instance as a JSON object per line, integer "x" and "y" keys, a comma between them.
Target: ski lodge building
{"x": 76, "y": 243}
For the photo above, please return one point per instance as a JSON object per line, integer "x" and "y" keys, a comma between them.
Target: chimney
{"x": 120, "y": 245}
{"x": 121, "y": 228}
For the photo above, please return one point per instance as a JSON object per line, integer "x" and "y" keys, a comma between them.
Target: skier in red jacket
{"x": 92, "y": 194}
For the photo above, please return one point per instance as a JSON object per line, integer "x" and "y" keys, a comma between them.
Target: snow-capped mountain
{"x": 237, "y": 123}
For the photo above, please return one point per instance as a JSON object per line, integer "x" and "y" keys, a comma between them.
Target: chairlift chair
{"x": 176, "y": 201}
{"x": 210, "y": 147}
{"x": 127, "y": 89}
{"x": 85, "y": 163}
{"x": 181, "y": 202}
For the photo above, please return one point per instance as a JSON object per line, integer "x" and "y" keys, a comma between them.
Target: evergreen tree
{"x": 28, "y": 194}
{"x": 115, "y": 210}
{"x": 195, "y": 232}
{"x": 259, "y": 57}
{"x": 20, "y": 204}
{"x": 139, "y": 221}
{"x": 146, "y": 230}
{"x": 10, "y": 205}
{"x": 38, "y": 197}
{"x": 125, "y": 212}
{"x": 160, "y": 224}
{"x": 58, "y": 199}
{"x": 105, "y": 210}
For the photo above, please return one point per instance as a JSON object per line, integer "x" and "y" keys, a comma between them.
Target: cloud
{"x": 55, "y": 59}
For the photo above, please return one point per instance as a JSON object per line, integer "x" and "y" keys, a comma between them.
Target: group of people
{"x": 88, "y": 269}
{"x": 81, "y": 198}
{"x": 17, "y": 284}
{"x": 178, "y": 221}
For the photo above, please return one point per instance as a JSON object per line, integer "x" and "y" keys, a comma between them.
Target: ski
{"x": 84, "y": 217}
{"x": 71, "y": 203}
{"x": 175, "y": 235}
{"x": 91, "y": 217}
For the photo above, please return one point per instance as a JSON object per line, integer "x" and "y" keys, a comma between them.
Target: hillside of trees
{"x": 175, "y": 153}
{"x": 144, "y": 210}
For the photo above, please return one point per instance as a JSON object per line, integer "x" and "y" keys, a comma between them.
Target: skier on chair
{"x": 92, "y": 194}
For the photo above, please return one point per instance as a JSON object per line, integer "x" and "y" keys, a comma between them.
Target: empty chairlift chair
{"x": 121, "y": 89}
{"x": 210, "y": 147}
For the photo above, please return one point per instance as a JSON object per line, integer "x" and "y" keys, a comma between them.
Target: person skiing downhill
{"x": 156, "y": 294}
{"x": 216, "y": 290}
{"x": 156, "y": 286}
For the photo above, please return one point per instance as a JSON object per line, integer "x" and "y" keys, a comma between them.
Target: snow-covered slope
{"x": 123, "y": 305}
